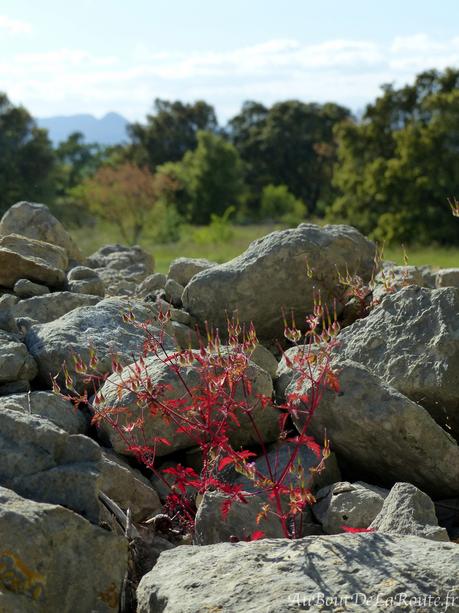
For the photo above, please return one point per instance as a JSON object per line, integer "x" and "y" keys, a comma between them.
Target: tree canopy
{"x": 170, "y": 132}
{"x": 290, "y": 144}
{"x": 397, "y": 167}
{"x": 26, "y": 157}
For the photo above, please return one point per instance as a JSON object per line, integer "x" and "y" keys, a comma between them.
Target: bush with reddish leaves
{"x": 210, "y": 411}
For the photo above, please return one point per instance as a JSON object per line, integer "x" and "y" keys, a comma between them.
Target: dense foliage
{"x": 390, "y": 173}
{"x": 26, "y": 157}
{"x": 398, "y": 166}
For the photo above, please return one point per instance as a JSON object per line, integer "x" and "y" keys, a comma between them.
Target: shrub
{"x": 218, "y": 231}
{"x": 278, "y": 204}
{"x": 212, "y": 409}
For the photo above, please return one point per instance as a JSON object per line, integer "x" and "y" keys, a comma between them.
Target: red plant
{"x": 209, "y": 412}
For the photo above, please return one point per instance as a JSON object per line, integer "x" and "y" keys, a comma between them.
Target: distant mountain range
{"x": 108, "y": 130}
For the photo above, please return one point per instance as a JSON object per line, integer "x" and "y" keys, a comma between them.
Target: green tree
{"x": 278, "y": 204}
{"x": 26, "y": 157}
{"x": 290, "y": 144}
{"x": 210, "y": 178}
{"x": 77, "y": 160}
{"x": 398, "y": 166}
{"x": 170, "y": 132}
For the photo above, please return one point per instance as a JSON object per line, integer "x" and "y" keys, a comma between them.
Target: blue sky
{"x": 100, "y": 55}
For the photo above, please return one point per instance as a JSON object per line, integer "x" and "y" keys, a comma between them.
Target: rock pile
{"x": 71, "y": 493}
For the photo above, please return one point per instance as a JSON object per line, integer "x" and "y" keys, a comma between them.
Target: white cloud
{"x": 15, "y": 26}
{"x": 347, "y": 71}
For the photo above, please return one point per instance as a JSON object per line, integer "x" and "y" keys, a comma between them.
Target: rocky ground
{"x": 65, "y": 486}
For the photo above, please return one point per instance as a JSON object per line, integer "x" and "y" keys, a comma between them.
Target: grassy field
{"x": 90, "y": 239}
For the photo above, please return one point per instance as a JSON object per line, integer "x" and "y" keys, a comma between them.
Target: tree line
{"x": 389, "y": 172}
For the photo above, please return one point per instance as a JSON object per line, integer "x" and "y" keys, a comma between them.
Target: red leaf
{"x": 257, "y": 535}
{"x": 356, "y": 530}
{"x": 225, "y": 462}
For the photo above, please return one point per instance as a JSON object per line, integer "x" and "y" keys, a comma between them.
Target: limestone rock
{"x": 16, "y": 364}
{"x": 36, "y": 221}
{"x": 275, "y": 575}
{"x": 447, "y": 277}
{"x": 84, "y": 280}
{"x": 151, "y": 284}
{"x": 42, "y": 309}
{"x": 27, "y": 289}
{"x": 48, "y": 406}
{"x": 100, "y": 326}
{"x": 183, "y": 270}
{"x": 411, "y": 341}
{"x": 271, "y": 275}
{"x": 121, "y": 268}
{"x": 53, "y": 560}
{"x": 162, "y": 374}
{"x": 25, "y": 258}
{"x": 174, "y": 292}
{"x": 407, "y": 510}
{"x": 372, "y": 425}
{"x": 350, "y": 504}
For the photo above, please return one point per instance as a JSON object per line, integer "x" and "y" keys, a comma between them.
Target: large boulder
{"x": 121, "y": 268}
{"x": 36, "y": 221}
{"x": 447, "y": 277}
{"x": 378, "y": 430}
{"x": 162, "y": 374}
{"x": 407, "y": 510}
{"x": 16, "y": 363}
{"x": 53, "y": 560}
{"x": 42, "y": 309}
{"x": 101, "y": 326}
{"x": 411, "y": 341}
{"x": 271, "y": 275}
{"x": 351, "y": 572}
{"x": 26, "y": 258}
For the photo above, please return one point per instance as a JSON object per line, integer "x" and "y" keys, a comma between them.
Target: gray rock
{"x": 16, "y": 364}
{"x": 84, "y": 280}
{"x": 128, "y": 487}
{"x": 7, "y": 321}
{"x": 447, "y": 277}
{"x": 121, "y": 268}
{"x": 411, "y": 341}
{"x": 53, "y": 560}
{"x": 407, "y": 510}
{"x": 271, "y": 275}
{"x": 184, "y": 336}
{"x": 211, "y": 527}
{"x": 183, "y": 269}
{"x": 49, "y": 406}
{"x": 174, "y": 292}
{"x": 35, "y": 221}
{"x": 100, "y": 326}
{"x": 151, "y": 284}
{"x": 43, "y": 309}
{"x": 14, "y": 387}
{"x": 27, "y": 289}
{"x": 279, "y": 575}
{"x": 263, "y": 358}
{"x": 279, "y": 455}
{"x": 350, "y": 504}
{"x": 42, "y": 462}
{"x": 25, "y": 258}
{"x": 154, "y": 425}
{"x": 374, "y": 426}
{"x": 45, "y": 463}
{"x": 182, "y": 317}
